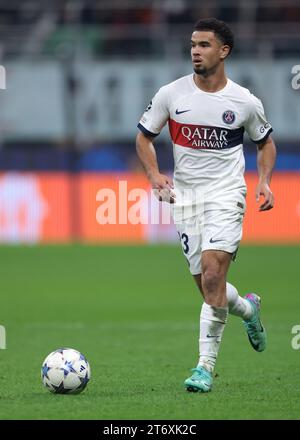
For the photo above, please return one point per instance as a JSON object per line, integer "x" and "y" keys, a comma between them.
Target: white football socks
{"x": 237, "y": 305}
{"x": 212, "y": 323}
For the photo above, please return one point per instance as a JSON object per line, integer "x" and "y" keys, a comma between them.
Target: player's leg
{"x": 224, "y": 232}
{"x": 247, "y": 308}
{"x": 237, "y": 305}
{"x": 221, "y": 235}
{"x": 215, "y": 265}
{"x": 213, "y": 317}
{"x": 191, "y": 241}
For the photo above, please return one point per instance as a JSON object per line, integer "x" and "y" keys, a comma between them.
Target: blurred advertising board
{"x": 35, "y": 207}
{"x": 114, "y": 208}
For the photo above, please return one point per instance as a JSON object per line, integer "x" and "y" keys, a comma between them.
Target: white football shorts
{"x": 217, "y": 229}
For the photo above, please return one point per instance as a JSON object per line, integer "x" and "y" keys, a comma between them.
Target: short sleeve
{"x": 156, "y": 114}
{"x": 256, "y": 125}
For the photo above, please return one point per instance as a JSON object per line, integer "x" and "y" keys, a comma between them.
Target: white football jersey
{"x": 207, "y": 133}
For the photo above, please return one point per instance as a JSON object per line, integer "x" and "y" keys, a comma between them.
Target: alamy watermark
{"x": 2, "y": 337}
{"x": 2, "y": 328}
{"x": 296, "y": 339}
{"x": 2, "y": 78}
{"x": 296, "y": 78}
{"x": 135, "y": 206}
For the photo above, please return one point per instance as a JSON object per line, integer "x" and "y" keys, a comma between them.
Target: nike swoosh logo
{"x": 182, "y": 111}
{"x": 211, "y": 336}
{"x": 255, "y": 346}
{"x": 215, "y": 241}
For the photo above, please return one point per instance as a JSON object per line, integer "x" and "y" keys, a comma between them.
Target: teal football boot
{"x": 254, "y": 328}
{"x": 201, "y": 380}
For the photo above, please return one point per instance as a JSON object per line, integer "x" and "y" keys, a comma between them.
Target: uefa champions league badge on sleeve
{"x": 228, "y": 117}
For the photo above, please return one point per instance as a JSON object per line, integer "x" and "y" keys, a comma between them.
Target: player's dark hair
{"x": 222, "y": 31}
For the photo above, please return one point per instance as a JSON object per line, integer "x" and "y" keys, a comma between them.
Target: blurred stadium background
{"x": 79, "y": 75}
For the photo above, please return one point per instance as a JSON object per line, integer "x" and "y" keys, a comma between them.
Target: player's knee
{"x": 212, "y": 279}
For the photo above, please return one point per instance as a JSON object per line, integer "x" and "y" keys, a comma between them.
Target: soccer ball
{"x": 65, "y": 371}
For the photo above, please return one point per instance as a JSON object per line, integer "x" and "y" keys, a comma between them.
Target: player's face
{"x": 207, "y": 52}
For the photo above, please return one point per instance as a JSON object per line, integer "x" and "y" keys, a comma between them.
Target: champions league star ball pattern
{"x": 65, "y": 371}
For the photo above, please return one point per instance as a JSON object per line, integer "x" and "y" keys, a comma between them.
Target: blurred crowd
{"x": 144, "y": 24}
{"x": 120, "y": 13}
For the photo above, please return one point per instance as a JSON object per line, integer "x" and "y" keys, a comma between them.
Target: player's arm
{"x": 266, "y": 157}
{"x": 147, "y": 155}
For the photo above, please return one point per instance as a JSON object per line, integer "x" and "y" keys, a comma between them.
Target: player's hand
{"x": 264, "y": 190}
{"x": 163, "y": 188}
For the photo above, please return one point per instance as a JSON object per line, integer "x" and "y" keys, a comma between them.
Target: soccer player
{"x": 207, "y": 114}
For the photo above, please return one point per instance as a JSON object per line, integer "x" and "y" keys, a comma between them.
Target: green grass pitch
{"x": 134, "y": 312}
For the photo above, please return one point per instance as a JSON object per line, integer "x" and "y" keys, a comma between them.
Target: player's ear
{"x": 225, "y": 49}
